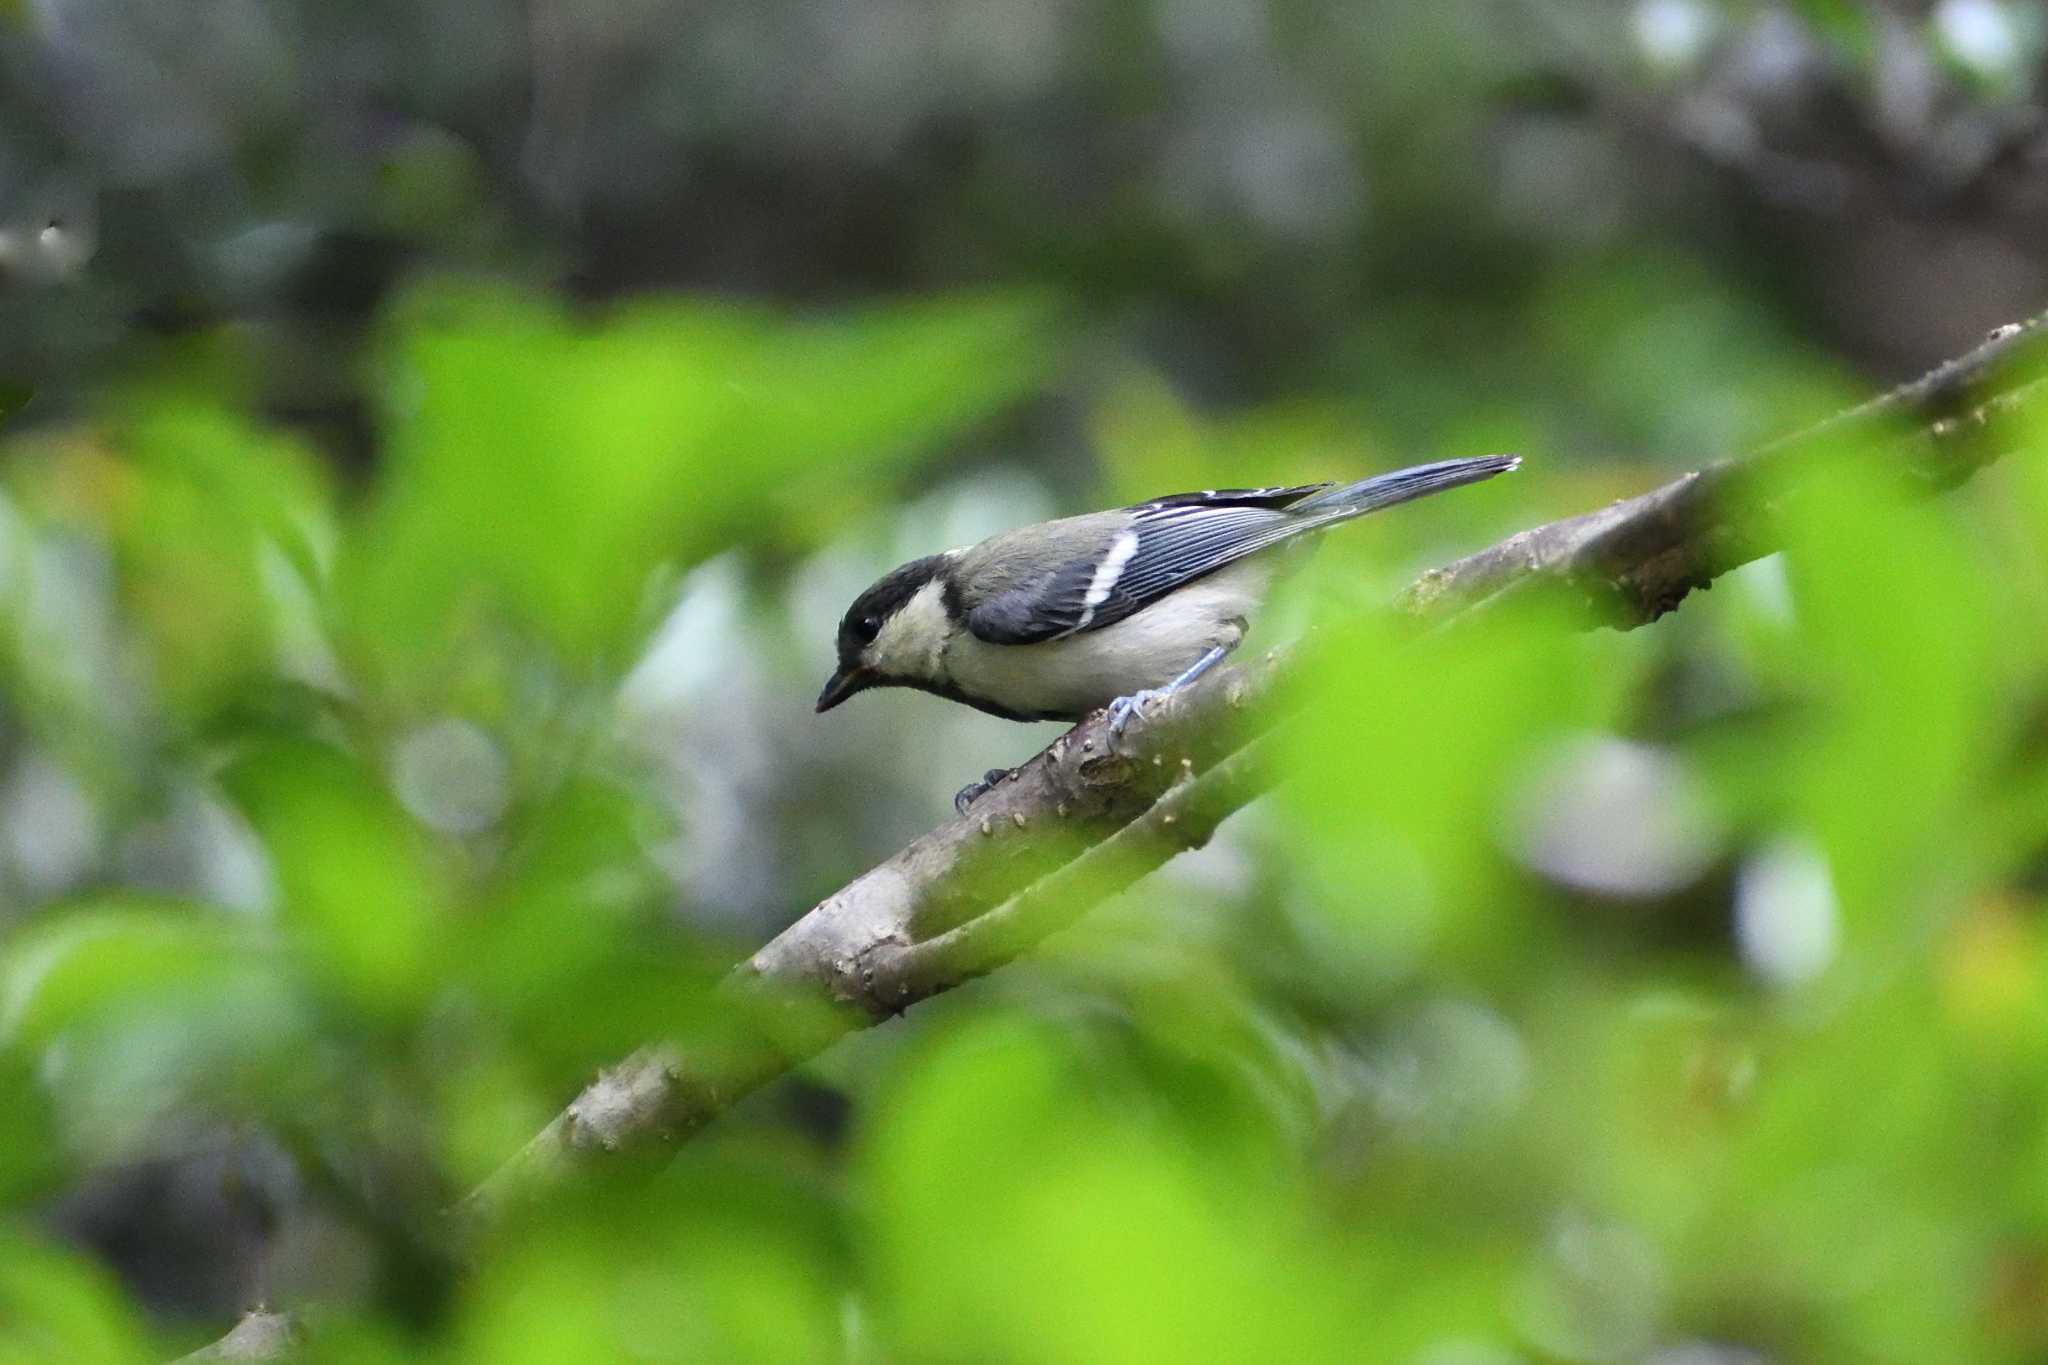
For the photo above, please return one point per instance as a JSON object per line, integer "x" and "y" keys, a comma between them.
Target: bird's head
{"x": 894, "y": 634}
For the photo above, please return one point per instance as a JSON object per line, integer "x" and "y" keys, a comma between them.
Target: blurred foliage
{"x": 439, "y": 438}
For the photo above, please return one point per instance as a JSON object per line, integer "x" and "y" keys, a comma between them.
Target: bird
{"x": 1108, "y": 610}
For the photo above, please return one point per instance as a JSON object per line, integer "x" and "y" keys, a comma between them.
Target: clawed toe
{"x": 974, "y": 791}
{"x": 1123, "y": 708}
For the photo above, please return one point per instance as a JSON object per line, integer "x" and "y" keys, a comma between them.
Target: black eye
{"x": 867, "y": 628}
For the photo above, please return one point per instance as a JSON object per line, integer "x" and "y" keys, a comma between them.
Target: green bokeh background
{"x": 439, "y": 439}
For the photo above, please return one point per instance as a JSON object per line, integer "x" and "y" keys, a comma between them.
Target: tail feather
{"x": 1403, "y": 485}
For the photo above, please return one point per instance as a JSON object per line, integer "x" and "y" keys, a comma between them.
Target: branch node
{"x": 1108, "y": 770}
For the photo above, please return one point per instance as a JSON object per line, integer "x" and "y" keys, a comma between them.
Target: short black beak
{"x": 842, "y": 685}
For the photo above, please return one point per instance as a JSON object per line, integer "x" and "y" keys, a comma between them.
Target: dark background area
{"x": 1258, "y": 200}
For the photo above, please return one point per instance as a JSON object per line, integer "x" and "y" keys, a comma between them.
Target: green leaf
{"x": 540, "y": 467}
{"x": 31, "y": 1155}
{"x": 56, "y": 1306}
{"x": 96, "y": 962}
{"x": 14, "y": 393}
{"x": 1093, "y": 1234}
{"x": 1849, "y": 28}
{"x": 358, "y": 888}
{"x": 1402, "y": 787}
{"x": 571, "y": 944}
{"x": 735, "y": 1260}
{"x": 190, "y": 498}
{"x": 148, "y": 1009}
{"x": 1902, "y": 651}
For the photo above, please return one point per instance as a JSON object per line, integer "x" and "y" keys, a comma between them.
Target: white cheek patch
{"x": 1103, "y": 583}
{"x": 913, "y": 639}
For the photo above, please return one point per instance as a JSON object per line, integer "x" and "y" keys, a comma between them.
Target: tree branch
{"x": 260, "y": 1335}
{"x": 1632, "y": 561}
{"x": 1093, "y": 813}
{"x": 1033, "y": 854}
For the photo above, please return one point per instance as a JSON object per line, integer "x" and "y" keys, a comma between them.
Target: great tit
{"x": 1111, "y": 609}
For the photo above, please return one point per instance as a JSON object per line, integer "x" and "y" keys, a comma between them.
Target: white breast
{"x": 1070, "y": 677}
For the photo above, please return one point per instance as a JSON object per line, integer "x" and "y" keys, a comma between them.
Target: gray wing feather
{"x": 1177, "y": 543}
{"x": 1044, "y": 608}
{"x": 1177, "y": 547}
{"x": 1274, "y": 495}
{"x": 1179, "y": 539}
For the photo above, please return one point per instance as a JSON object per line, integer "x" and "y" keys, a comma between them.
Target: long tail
{"x": 1403, "y": 485}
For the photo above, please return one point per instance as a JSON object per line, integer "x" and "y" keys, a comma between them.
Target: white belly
{"x": 1071, "y": 677}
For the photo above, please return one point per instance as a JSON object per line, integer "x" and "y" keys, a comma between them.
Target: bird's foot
{"x": 974, "y": 791}
{"x": 1123, "y": 708}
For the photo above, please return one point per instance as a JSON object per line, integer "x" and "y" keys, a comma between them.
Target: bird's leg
{"x": 974, "y": 791}
{"x": 1123, "y": 708}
